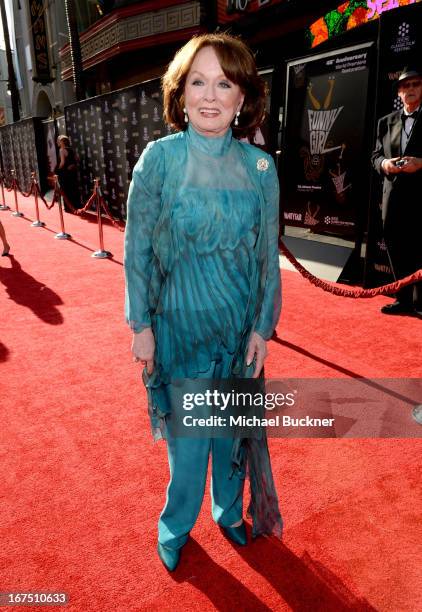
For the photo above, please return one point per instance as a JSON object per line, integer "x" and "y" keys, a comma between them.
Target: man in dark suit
{"x": 398, "y": 159}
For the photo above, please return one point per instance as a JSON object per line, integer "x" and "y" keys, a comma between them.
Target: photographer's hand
{"x": 389, "y": 166}
{"x": 413, "y": 164}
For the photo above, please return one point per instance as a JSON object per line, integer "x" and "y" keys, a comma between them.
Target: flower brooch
{"x": 262, "y": 164}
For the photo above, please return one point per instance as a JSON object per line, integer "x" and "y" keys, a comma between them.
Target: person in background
{"x": 6, "y": 245}
{"x": 66, "y": 170}
{"x": 398, "y": 159}
{"x": 202, "y": 277}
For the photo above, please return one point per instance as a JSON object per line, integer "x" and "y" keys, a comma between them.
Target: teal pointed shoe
{"x": 169, "y": 556}
{"x": 236, "y": 534}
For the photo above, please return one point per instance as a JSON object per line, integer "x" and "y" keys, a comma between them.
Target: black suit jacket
{"x": 402, "y": 194}
{"x": 398, "y": 188}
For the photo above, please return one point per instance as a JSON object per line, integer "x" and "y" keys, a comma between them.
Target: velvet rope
{"x": 73, "y": 210}
{"x": 12, "y": 184}
{"x": 25, "y": 194}
{"x": 108, "y": 214}
{"x": 40, "y": 195}
{"x": 89, "y": 202}
{"x": 354, "y": 292}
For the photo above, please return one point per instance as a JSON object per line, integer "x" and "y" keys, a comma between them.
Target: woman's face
{"x": 211, "y": 100}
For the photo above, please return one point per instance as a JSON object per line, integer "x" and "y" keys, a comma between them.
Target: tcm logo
{"x": 330, "y": 220}
{"x": 403, "y": 30}
{"x": 321, "y": 121}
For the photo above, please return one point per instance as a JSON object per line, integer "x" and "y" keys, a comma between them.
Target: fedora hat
{"x": 407, "y": 73}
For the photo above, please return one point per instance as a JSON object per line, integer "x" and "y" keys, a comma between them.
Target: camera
{"x": 400, "y": 163}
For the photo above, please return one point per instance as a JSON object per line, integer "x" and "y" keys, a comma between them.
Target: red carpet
{"x": 83, "y": 483}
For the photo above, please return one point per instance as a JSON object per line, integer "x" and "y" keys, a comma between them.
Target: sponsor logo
{"x": 403, "y": 40}
{"x": 382, "y": 268}
{"x": 292, "y": 216}
{"x": 336, "y": 221}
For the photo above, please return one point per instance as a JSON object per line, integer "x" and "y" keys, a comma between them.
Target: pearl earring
{"x": 186, "y": 115}
{"x": 236, "y": 121}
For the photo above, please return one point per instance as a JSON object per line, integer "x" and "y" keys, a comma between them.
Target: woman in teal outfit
{"x": 202, "y": 277}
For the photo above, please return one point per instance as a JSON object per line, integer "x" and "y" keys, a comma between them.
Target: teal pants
{"x": 188, "y": 462}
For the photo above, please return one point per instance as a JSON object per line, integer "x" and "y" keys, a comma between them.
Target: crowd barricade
{"x": 13, "y": 186}
{"x": 57, "y": 197}
{"x": 3, "y": 205}
{"x": 96, "y": 204}
{"x": 350, "y": 292}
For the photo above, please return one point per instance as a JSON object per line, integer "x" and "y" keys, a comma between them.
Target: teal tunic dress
{"x": 202, "y": 267}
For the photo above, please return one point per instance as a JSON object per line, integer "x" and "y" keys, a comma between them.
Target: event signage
{"x": 324, "y": 140}
{"x": 23, "y": 150}
{"x": 40, "y": 44}
{"x": 349, "y": 15}
{"x": 377, "y": 7}
{"x": 232, "y": 9}
{"x": 109, "y": 133}
{"x": 236, "y": 5}
{"x": 242, "y": 5}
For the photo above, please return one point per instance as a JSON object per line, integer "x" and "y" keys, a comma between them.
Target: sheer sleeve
{"x": 143, "y": 209}
{"x": 271, "y": 304}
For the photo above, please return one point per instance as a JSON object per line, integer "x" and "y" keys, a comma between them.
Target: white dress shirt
{"x": 407, "y": 128}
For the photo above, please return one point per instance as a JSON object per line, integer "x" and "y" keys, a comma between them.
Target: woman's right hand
{"x": 143, "y": 348}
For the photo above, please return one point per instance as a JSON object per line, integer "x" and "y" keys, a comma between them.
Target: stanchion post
{"x": 17, "y": 212}
{"x": 34, "y": 186}
{"x": 3, "y": 206}
{"x": 101, "y": 254}
{"x": 61, "y": 235}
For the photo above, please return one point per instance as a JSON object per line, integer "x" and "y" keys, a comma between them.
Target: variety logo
{"x": 382, "y": 268}
{"x": 292, "y": 216}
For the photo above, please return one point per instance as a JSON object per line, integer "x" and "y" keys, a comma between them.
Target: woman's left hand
{"x": 257, "y": 348}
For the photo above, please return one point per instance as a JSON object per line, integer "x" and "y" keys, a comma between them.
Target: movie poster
{"x": 324, "y": 150}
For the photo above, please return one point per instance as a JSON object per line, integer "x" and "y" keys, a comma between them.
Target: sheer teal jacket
{"x": 201, "y": 250}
